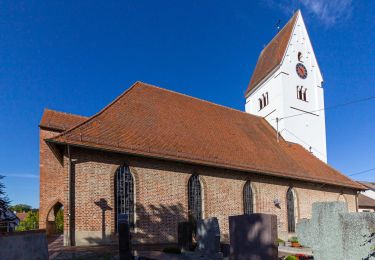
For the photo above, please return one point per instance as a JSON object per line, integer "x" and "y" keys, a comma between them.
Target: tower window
{"x": 263, "y": 101}
{"x": 299, "y": 56}
{"x": 302, "y": 93}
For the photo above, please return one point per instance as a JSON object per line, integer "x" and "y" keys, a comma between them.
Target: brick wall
{"x": 52, "y": 178}
{"x": 161, "y": 195}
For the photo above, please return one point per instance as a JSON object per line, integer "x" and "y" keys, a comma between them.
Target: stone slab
{"x": 253, "y": 237}
{"x": 333, "y": 233}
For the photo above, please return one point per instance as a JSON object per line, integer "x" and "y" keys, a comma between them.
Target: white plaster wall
{"x": 369, "y": 193}
{"x": 273, "y": 85}
{"x": 307, "y": 129}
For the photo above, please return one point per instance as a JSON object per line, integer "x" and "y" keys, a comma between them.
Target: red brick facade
{"x": 161, "y": 189}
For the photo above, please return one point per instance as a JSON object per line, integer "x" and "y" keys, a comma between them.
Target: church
{"x": 163, "y": 157}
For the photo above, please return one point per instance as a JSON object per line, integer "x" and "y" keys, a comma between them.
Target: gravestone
{"x": 124, "y": 237}
{"x": 333, "y": 233}
{"x": 208, "y": 238}
{"x": 185, "y": 235}
{"x": 253, "y": 237}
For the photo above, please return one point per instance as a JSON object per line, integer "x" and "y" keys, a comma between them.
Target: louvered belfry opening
{"x": 125, "y": 193}
{"x": 248, "y": 199}
{"x": 290, "y": 209}
{"x": 195, "y": 197}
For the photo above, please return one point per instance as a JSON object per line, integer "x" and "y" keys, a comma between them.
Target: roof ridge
{"x": 278, "y": 33}
{"x": 100, "y": 112}
{"x": 258, "y": 76}
{"x": 201, "y": 100}
{"x": 65, "y": 113}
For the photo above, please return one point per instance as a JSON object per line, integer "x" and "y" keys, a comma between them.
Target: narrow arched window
{"x": 260, "y": 104}
{"x": 299, "y": 56}
{"x": 265, "y": 100}
{"x": 195, "y": 197}
{"x": 298, "y": 92}
{"x": 125, "y": 193}
{"x": 305, "y": 95}
{"x": 248, "y": 199}
{"x": 290, "y": 201}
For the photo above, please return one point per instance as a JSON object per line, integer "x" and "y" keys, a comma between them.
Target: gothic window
{"x": 195, "y": 197}
{"x": 291, "y": 211}
{"x": 260, "y": 104}
{"x": 248, "y": 199}
{"x": 125, "y": 193}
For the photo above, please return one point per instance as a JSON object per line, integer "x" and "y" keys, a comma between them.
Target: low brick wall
{"x": 24, "y": 245}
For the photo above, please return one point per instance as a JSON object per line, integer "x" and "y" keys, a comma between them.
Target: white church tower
{"x": 286, "y": 88}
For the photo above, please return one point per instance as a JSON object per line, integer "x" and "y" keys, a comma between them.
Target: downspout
{"x": 356, "y": 201}
{"x": 69, "y": 240}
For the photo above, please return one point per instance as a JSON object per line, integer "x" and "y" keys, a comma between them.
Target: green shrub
{"x": 291, "y": 257}
{"x": 172, "y": 250}
{"x": 59, "y": 221}
{"x": 31, "y": 222}
{"x": 294, "y": 240}
{"x": 279, "y": 240}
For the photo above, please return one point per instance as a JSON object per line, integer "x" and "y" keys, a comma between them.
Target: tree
{"x": 20, "y": 208}
{"x": 31, "y": 221}
{"x": 4, "y": 200}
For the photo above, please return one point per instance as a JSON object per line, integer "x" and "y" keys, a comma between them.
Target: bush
{"x": 294, "y": 240}
{"x": 172, "y": 250}
{"x": 279, "y": 240}
{"x": 31, "y": 222}
{"x": 291, "y": 257}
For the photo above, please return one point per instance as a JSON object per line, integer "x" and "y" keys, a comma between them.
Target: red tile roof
{"x": 149, "y": 121}
{"x": 272, "y": 55}
{"x": 59, "y": 121}
{"x": 365, "y": 202}
{"x": 21, "y": 215}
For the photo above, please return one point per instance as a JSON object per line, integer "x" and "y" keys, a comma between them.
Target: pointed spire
{"x": 271, "y": 56}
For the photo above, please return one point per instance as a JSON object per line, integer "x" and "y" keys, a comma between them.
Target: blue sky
{"x": 77, "y": 56}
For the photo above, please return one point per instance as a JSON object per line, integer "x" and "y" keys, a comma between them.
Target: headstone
{"x": 253, "y": 237}
{"x": 333, "y": 233}
{"x": 208, "y": 237}
{"x": 185, "y": 235}
{"x": 124, "y": 237}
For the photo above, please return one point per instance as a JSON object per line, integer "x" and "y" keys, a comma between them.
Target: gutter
{"x": 208, "y": 164}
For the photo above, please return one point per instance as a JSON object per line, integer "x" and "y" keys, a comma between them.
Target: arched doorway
{"x": 55, "y": 219}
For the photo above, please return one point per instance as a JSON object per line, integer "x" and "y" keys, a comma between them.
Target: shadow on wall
{"x": 254, "y": 236}
{"x": 103, "y": 205}
{"x": 154, "y": 224}
{"x": 370, "y": 240}
{"x": 158, "y": 223}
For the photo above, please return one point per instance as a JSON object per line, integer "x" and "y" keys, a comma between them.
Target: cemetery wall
{"x": 24, "y": 245}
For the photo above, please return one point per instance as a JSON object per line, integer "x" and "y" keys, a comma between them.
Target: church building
{"x": 163, "y": 157}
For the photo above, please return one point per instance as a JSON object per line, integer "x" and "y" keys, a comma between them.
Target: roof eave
{"x": 198, "y": 162}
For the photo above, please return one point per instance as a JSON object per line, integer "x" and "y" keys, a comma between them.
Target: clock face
{"x": 301, "y": 70}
